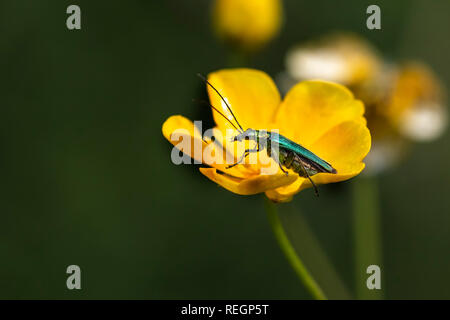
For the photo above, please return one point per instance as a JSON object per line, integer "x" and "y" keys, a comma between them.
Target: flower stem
{"x": 367, "y": 235}
{"x": 288, "y": 250}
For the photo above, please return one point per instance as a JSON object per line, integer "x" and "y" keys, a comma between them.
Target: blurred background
{"x": 87, "y": 177}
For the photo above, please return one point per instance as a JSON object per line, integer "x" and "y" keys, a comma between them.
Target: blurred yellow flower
{"x": 342, "y": 58}
{"x": 323, "y": 117}
{"x": 403, "y": 102}
{"x": 415, "y": 104}
{"x": 247, "y": 24}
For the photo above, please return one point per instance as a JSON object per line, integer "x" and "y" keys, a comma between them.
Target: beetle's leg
{"x": 246, "y": 153}
{"x": 316, "y": 191}
{"x": 281, "y": 167}
{"x": 276, "y": 156}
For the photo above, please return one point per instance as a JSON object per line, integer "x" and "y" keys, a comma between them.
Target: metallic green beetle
{"x": 284, "y": 151}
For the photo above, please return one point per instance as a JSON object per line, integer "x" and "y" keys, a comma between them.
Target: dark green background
{"x": 87, "y": 179}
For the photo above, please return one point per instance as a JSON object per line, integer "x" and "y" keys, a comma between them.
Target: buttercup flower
{"x": 247, "y": 25}
{"x": 323, "y": 117}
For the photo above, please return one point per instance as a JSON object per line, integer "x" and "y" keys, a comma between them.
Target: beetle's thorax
{"x": 261, "y": 137}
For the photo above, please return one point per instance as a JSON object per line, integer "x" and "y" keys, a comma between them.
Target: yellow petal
{"x": 253, "y": 185}
{"x": 311, "y": 108}
{"x": 177, "y": 122}
{"x": 251, "y": 94}
{"x": 344, "y": 146}
{"x": 177, "y": 129}
{"x": 180, "y": 130}
{"x": 285, "y": 193}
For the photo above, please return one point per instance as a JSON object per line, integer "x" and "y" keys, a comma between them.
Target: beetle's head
{"x": 249, "y": 134}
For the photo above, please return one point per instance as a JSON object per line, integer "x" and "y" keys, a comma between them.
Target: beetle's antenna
{"x": 210, "y": 105}
{"x": 226, "y": 103}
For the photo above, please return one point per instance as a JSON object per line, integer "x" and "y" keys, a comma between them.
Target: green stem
{"x": 288, "y": 250}
{"x": 312, "y": 251}
{"x": 367, "y": 234}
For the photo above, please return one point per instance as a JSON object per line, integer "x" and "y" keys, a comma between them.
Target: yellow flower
{"x": 323, "y": 117}
{"x": 415, "y": 105}
{"x": 247, "y": 24}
